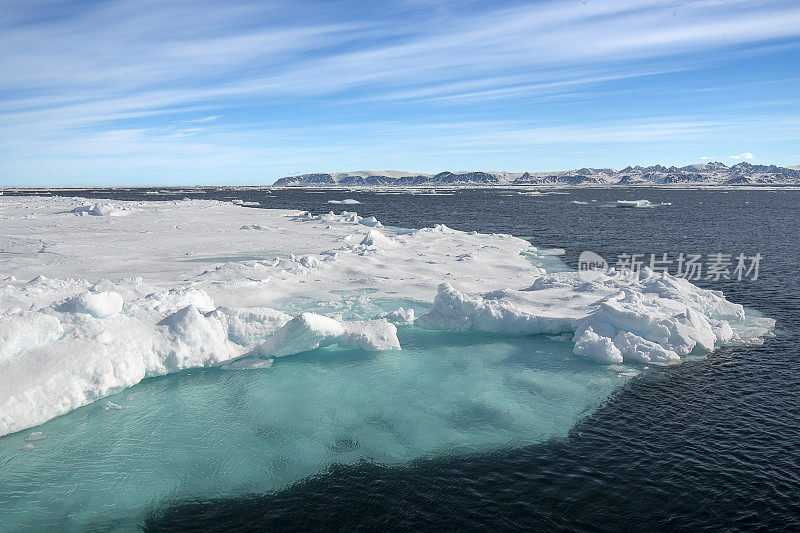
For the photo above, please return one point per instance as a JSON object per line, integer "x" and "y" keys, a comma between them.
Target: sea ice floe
{"x": 62, "y": 357}
{"x": 346, "y": 201}
{"x": 72, "y": 336}
{"x": 634, "y": 203}
{"x": 639, "y": 204}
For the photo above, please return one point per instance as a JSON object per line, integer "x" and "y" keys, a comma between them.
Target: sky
{"x": 183, "y": 92}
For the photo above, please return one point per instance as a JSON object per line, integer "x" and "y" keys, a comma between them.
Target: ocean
{"x": 710, "y": 444}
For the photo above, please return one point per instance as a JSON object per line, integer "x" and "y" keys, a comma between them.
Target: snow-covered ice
{"x": 400, "y": 316}
{"x": 636, "y": 319}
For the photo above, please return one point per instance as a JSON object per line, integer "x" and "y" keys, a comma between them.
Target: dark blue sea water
{"x": 712, "y": 444}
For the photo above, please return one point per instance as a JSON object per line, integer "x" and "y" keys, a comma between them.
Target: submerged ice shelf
{"x": 207, "y": 433}
{"x": 334, "y": 297}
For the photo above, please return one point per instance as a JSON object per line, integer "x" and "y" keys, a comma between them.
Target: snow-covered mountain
{"x": 715, "y": 173}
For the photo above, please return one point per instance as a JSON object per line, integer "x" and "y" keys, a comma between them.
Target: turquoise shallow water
{"x": 210, "y": 433}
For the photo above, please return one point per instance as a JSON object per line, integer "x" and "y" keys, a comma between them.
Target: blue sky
{"x": 136, "y": 92}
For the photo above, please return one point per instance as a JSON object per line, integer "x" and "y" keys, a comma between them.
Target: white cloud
{"x": 203, "y": 120}
{"x": 219, "y": 54}
{"x": 746, "y": 155}
{"x": 706, "y": 158}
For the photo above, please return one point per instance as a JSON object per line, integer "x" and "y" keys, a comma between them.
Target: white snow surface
{"x": 174, "y": 285}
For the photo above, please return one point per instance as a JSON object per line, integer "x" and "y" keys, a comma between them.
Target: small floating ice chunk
{"x": 26, "y": 448}
{"x": 111, "y": 406}
{"x": 36, "y": 436}
{"x": 639, "y": 203}
{"x": 346, "y": 201}
{"x": 634, "y": 203}
{"x": 579, "y": 202}
{"x": 553, "y": 251}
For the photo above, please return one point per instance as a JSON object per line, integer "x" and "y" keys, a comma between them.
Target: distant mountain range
{"x": 701, "y": 174}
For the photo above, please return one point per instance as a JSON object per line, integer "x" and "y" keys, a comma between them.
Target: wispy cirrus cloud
{"x": 210, "y": 118}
